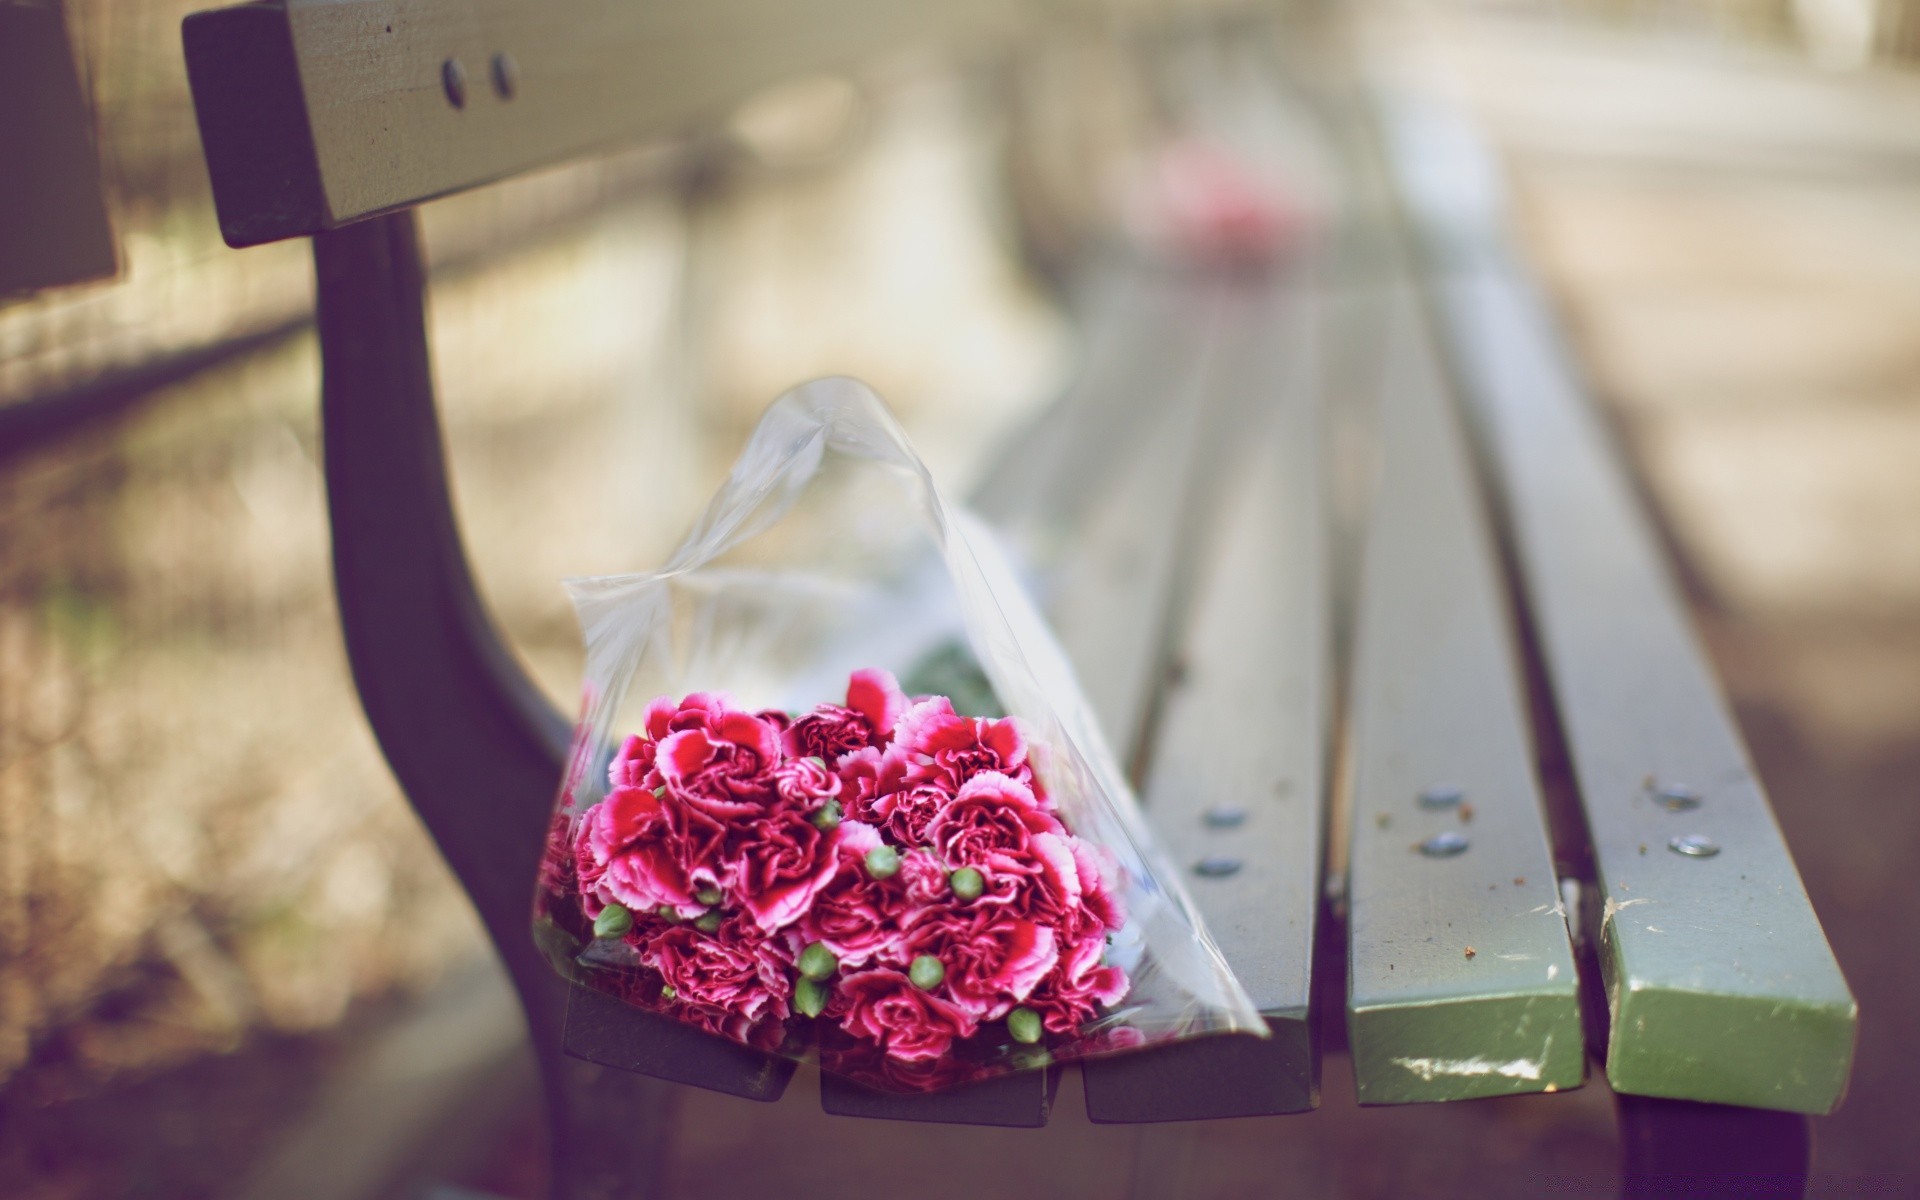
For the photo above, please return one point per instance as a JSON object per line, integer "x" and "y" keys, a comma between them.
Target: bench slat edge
{"x": 1242, "y": 732}
{"x": 1461, "y": 979}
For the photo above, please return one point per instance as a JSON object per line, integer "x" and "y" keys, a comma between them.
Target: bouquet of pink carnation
{"x": 887, "y": 865}
{"x": 908, "y": 890}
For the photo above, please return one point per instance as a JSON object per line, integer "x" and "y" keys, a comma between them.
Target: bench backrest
{"x": 315, "y": 114}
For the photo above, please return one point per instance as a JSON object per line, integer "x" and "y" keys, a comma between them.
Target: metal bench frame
{"x": 332, "y": 120}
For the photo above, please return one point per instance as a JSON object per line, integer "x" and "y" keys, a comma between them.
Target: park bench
{"x": 1492, "y": 816}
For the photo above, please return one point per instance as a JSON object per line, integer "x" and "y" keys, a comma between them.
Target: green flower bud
{"x": 669, "y": 914}
{"x": 668, "y": 991}
{"x": 926, "y": 972}
{"x": 709, "y": 921}
{"x": 826, "y": 818}
{"x": 809, "y": 998}
{"x": 967, "y": 883}
{"x": 1024, "y": 1025}
{"x": 883, "y": 862}
{"x": 708, "y": 895}
{"x": 817, "y": 761}
{"x": 817, "y": 962}
{"x": 613, "y": 921}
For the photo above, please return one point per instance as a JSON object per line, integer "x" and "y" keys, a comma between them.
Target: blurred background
{"x": 221, "y": 928}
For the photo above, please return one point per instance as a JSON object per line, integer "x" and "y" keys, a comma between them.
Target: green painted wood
{"x": 1253, "y": 657}
{"x": 1720, "y": 984}
{"x": 393, "y": 102}
{"x": 53, "y": 212}
{"x": 1461, "y": 978}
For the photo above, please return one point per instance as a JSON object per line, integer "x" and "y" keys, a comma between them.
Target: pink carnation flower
{"x": 633, "y": 765}
{"x": 993, "y": 959}
{"x": 885, "y": 1008}
{"x": 873, "y": 707}
{"x": 804, "y": 783}
{"x": 876, "y": 695}
{"x": 991, "y": 824}
{"x": 1082, "y": 983}
{"x": 626, "y": 852}
{"x": 939, "y": 747}
{"x": 721, "y": 767}
{"x": 776, "y": 865}
{"x": 735, "y": 970}
{"x": 717, "y": 814}
{"x": 856, "y": 916}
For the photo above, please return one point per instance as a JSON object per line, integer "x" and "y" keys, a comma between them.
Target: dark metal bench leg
{"x": 476, "y": 747}
{"x": 1680, "y": 1148}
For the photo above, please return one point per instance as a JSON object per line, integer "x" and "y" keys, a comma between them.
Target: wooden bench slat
{"x": 1111, "y": 595}
{"x": 318, "y": 113}
{"x": 1102, "y": 514}
{"x": 1023, "y": 1100}
{"x": 1461, "y": 976}
{"x": 1243, "y": 726}
{"x": 606, "y": 1030}
{"x": 1118, "y": 479}
{"x": 1720, "y": 984}
{"x": 1047, "y": 474}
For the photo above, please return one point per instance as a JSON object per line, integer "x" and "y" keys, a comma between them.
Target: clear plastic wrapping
{"x": 745, "y": 690}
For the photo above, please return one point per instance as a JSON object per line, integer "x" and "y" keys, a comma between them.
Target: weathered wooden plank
{"x": 1461, "y": 979}
{"x": 317, "y": 113}
{"x": 1236, "y": 780}
{"x": 1720, "y": 985}
{"x": 53, "y": 213}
